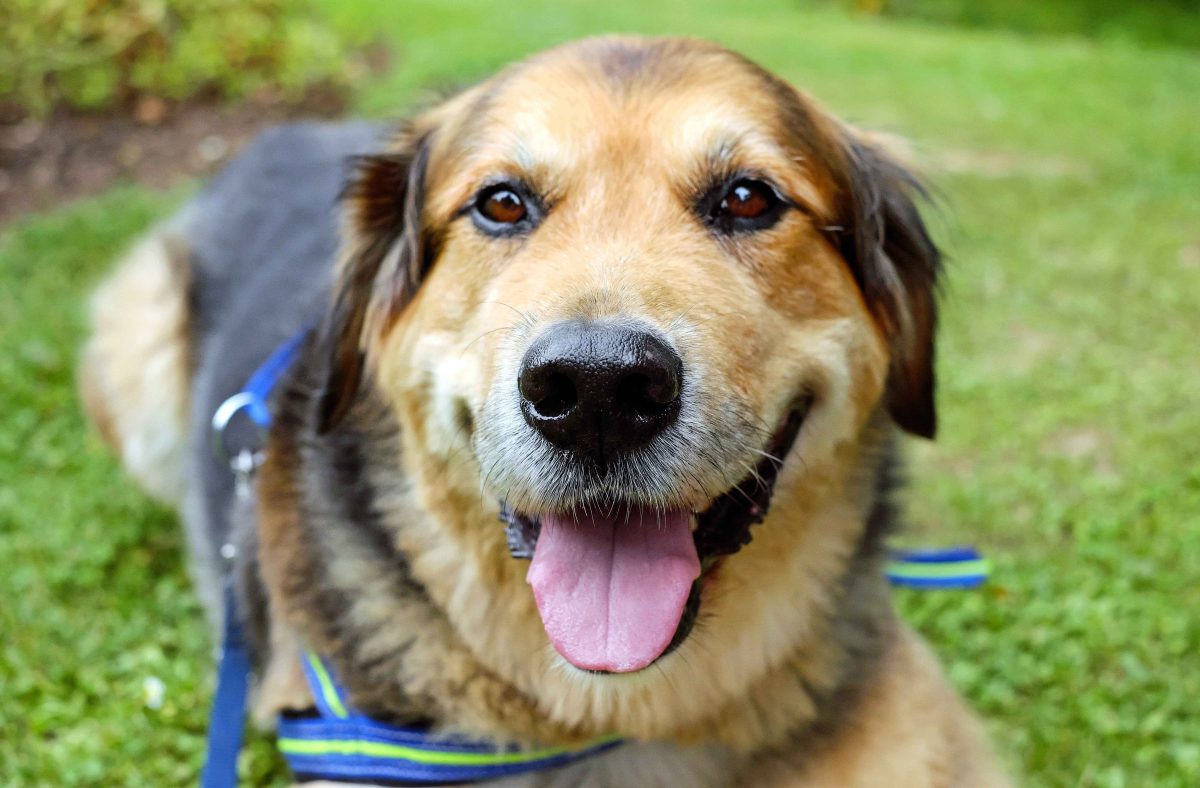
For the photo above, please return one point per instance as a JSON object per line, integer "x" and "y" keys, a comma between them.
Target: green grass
{"x": 1070, "y": 379}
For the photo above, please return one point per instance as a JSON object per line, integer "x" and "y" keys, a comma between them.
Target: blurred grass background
{"x": 1149, "y": 22}
{"x": 1068, "y": 171}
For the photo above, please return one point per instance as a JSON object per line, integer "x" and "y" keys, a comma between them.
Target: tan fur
{"x": 136, "y": 367}
{"x": 438, "y": 666}
{"x": 281, "y": 684}
{"x": 912, "y": 730}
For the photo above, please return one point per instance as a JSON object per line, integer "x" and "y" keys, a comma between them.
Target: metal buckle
{"x": 244, "y": 461}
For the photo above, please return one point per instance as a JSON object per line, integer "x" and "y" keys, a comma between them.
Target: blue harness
{"x": 340, "y": 744}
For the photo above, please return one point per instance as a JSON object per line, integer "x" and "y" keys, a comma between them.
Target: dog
{"x": 592, "y": 427}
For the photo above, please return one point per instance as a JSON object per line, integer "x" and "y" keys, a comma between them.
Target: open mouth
{"x": 619, "y": 586}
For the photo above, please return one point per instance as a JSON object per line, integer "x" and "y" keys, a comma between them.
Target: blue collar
{"x": 340, "y": 744}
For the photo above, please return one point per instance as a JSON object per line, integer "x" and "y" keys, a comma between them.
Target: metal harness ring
{"x": 243, "y": 400}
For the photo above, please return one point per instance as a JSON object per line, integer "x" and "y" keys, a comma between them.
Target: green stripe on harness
{"x": 325, "y": 686}
{"x": 938, "y": 568}
{"x": 375, "y": 749}
{"x": 915, "y": 571}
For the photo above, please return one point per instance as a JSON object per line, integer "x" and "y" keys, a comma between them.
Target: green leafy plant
{"x": 96, "y": 54}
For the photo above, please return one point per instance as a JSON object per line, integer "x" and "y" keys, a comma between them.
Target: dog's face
{"x": 625, "y": 297}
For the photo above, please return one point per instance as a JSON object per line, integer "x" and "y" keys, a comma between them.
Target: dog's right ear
{"x": 383, "y": 260}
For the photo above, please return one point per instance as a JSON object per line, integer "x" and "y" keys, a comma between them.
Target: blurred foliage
{"x": 1156, "y": 22}
{"x": 96, "y": 54}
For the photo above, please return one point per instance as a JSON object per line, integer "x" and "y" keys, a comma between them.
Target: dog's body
{"x": 769, "y": 271}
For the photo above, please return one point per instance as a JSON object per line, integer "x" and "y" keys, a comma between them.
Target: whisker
{"x": 526, "y": 319}
{"x": 512, "y": 327}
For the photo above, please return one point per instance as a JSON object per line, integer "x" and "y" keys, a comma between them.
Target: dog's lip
{"x": 723, "y": 527}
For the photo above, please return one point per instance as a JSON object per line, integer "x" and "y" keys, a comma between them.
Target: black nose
{"x": 599, "y": 389}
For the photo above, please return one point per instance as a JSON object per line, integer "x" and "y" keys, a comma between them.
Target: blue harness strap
{"x": 952, "y": 567}
{"x": 340, "y": 744}
{"x": 226, "y": 724}
{"x": 263, "y": 381}
{"x": 227, "y": 720}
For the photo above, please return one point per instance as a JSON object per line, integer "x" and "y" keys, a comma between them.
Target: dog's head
{"x": 627, "y": 296}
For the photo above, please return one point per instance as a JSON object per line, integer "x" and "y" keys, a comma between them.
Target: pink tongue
{"x": 611, "y": 590}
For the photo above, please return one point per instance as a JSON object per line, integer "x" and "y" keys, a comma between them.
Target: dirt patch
{"x": 1027, "y": 347}
{"x": 47, "y": 162}
{"x": 1189, "y": 256}
{"x": 1087, "y": 445}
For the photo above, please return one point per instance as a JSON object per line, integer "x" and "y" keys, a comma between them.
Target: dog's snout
{"x": 599, "y": 389}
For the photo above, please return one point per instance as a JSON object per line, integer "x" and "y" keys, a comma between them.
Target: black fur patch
{"x": 385, "y": 198}
{"x": 897, "y": 266}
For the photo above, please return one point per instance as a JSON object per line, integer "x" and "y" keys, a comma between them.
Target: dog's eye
{"x": 501, "y": 205}
{"x": 747, "y": 200}
{"x": 746, "y": 204}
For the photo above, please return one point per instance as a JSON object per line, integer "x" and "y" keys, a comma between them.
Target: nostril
{"x": 644, "y": 398}
{"x": 555, "y": 397}
{"x": 663, "y": 388}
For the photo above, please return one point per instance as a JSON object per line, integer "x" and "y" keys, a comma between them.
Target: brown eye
{"x": 747, "y": 200}
{"x": 506, "y": 209}
{"x": 745, "y": 205}
{"x": 502, "y": 206}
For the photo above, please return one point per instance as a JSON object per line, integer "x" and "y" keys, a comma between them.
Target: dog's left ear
{"x": 883, "y": 239}
{"x": 383, "y": 260}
